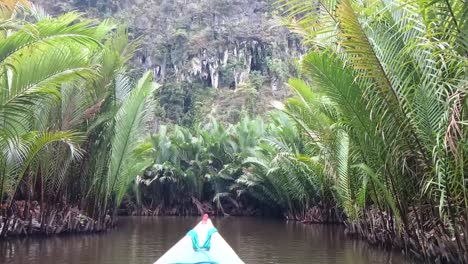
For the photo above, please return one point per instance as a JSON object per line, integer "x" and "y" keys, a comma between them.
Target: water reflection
{"x": 143, "y": 240}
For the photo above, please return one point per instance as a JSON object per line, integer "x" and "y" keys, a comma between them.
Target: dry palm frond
{"x": 11, "y": 4}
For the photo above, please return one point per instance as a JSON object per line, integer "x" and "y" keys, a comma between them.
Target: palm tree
{"x": 117, "y": 115}
{"x": 395, "y": 74}
{"x": 35, "y": 61}
{"x": 71, "y": 118}
{"x": 279, "y": 173}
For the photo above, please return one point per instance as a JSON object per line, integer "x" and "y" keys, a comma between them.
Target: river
{"x": 144, "y": 240}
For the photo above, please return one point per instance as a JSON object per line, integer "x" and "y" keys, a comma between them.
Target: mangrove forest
{"x": 343, "y": 113}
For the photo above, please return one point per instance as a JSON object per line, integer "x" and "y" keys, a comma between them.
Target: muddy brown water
{"x": 144, "y": 240}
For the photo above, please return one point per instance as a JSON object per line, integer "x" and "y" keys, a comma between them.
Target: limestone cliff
{"x": 237, "y": 46}
{"x": 219, "y": 42}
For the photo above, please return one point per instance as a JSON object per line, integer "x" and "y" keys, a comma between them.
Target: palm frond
{"x": 48, "y": 32}
{"x": 129, "y": 121}
{"x": 32, "y": 144}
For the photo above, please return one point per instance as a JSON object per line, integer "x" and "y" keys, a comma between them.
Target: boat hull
{"x": 183, "y": 252}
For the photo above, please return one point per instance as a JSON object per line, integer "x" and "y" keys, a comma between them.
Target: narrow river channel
{"x": 143, "y": 240}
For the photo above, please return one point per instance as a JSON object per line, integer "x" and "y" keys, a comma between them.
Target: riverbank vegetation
{"x": 253, "y": 167}
{"x": 374, "y": 134}
{"x": 386, "y": 110}
{"x": 71, "y": 119}
{"x": 380, "y": 128}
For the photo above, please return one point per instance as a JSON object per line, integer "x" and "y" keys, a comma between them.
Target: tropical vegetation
{"x": 71, "y": 117}
{"x": 386, "y": 108}
{"x": 374, "y": 135}
{"x": 252, "y": 167}
{"x": 380, "y": 124}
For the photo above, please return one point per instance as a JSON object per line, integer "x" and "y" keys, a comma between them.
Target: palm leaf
{"x": 129, "y": 122}
{"x": 33, "y": 143}
{"x": 49, "y": 32}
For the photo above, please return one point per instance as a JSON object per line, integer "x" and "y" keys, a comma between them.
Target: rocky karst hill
{"x": 222, "y": 44}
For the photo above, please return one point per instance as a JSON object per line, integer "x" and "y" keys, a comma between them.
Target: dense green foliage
{"x": 71, "y": 118}
{"x": 388, "y": 101}
{"x": 376, "y": 128}
{"x": 386, "y": 109}
{"x": 232, "y": 166}
{"x": 380, "y": 122}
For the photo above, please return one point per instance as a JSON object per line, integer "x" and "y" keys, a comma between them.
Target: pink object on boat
{"x": 205, "y": 218}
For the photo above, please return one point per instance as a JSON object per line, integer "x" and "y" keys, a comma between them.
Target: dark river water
{"x": 144, "y": 240}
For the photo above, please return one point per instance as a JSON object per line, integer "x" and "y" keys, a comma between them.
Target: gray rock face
{"x": 218, "y": 42}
